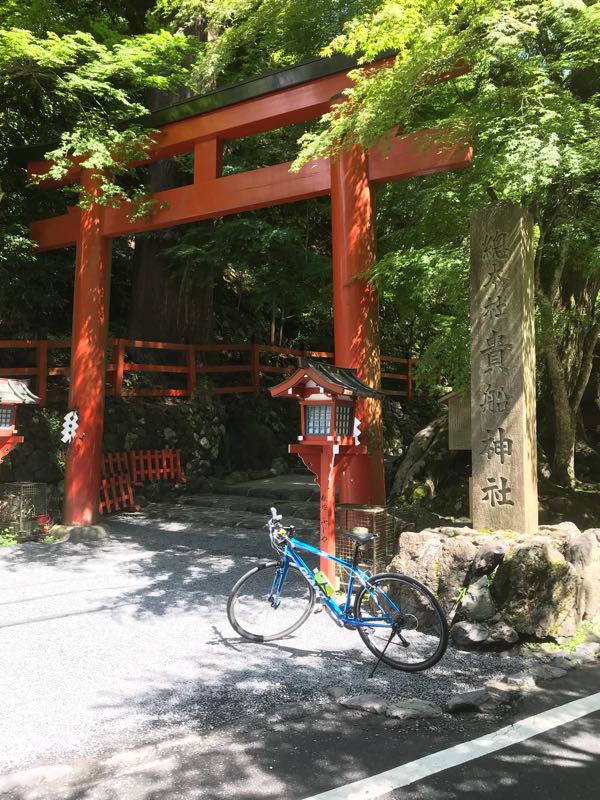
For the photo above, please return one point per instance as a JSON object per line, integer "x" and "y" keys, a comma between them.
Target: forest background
{"x": 77, "y": 75}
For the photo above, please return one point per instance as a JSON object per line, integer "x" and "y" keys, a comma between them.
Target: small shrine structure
{"x": 12, "y": 393}
{"x": 330, "y": 434}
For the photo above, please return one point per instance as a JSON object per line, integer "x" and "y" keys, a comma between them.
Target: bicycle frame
{"x": 342, "y": 613}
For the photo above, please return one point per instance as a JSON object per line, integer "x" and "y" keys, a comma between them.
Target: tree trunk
{"x": 569, "y": 318}
{"x": 565, "y": 430}
{"x": 168, "y": 305}
{"x": 569, "y": 362}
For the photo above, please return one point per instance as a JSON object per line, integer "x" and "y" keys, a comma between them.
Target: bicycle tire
{"x": 245, "y": 598}
{"x": 409, "y": 603}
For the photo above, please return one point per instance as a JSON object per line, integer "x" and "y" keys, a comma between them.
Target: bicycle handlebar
{"x": 279, "y": 533}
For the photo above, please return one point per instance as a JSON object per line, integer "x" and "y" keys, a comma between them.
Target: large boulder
{"x": 419, "y": 556}
{"x": 469, "y": 635}
{"x": 583, "y": 551}
{"x": 437, "y": 558}
{"x": 492, "y": 635}
{"x": 478, "y": 604}
{"x": 488, "y": 557}
{"x": 541, "y": 586}
{"x": 456, "y": 556}
{"x": 536, "y": 590}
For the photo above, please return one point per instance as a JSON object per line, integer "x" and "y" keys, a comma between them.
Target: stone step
{"x": 255, "y": 505}
{"x": 291, "y": 486}
{"x": 216, "y": 512}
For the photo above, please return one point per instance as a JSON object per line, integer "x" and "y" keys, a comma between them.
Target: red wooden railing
{"x": 244, "y": 369}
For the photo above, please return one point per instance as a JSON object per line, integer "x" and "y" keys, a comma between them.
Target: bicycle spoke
{"x": 409, "y": 630}
{"x": 259, "y": 614}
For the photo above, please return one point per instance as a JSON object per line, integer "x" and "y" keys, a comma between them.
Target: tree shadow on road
{"x": 142, "y": 568}
{"x": 297, "y": 758}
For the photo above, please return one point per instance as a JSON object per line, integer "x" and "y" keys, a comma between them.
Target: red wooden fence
{"x": 149, "y": 465}
{"x": 241, "y": 367}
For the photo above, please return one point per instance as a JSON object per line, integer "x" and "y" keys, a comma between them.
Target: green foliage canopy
{"x": 79, "y": 88}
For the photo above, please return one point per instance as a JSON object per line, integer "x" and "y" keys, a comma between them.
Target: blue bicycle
{"x": 398, "y": 619}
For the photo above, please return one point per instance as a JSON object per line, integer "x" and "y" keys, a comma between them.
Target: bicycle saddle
{"x": 361, "y": 536}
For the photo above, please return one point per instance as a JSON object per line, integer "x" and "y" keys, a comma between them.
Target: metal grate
{"x": 376, "y": 519}
{"x": 21, "y": 502}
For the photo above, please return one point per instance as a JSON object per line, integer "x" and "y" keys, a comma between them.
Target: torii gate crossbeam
{"x": 192, "y": 127}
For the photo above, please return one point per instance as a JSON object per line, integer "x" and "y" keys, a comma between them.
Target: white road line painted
{"x": 379, "y": 785}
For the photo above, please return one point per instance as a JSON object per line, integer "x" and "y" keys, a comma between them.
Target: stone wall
{"x": 234, "y": 433}
{"x": 196, "y": 428}
{"x": 498, "y": 587}
{"x": 39, "y": 458}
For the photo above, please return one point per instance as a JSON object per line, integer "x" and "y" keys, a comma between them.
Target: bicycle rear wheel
{"x": 257, "y": 611}
{"x": 409, "y": 630}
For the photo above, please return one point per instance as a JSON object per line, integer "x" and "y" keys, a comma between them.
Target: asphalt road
{"x": 564, "y": 763}
{"x": 300, "y": 757}
{"x": 120, "y": 678}
{"x": 125, "y": 642}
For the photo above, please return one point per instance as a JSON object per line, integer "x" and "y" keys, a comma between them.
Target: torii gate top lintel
{"x": 201, "y": 125}
{"x": 287, "y": 78}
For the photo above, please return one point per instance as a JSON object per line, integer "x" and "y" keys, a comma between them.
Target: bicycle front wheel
{"x": 408, "y": 628}
{"x": 262, "y": 608}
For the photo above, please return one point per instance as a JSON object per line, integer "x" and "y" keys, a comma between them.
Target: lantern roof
{"x": 16, "y": 391}
{"x": 336, "y": 381}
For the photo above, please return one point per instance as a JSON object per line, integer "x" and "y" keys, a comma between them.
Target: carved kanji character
{"x": 502, "y": 446}
{"x": 495, "y": 279}
{"x": 497, "y": 495}
{"x": 495, "y": 350}
{"x": 495, "y": 249}
{"x": 494, "y": 307}
{"x": 494, "y": 399}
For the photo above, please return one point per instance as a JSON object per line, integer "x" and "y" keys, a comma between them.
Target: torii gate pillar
{"x": 356, "y": 316}
{"x": 88, "y": 357}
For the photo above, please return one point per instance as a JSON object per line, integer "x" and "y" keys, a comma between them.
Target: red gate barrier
{"x": 122, "y": 471}
{"x": 115, "y": 464}
{"x": 155, "y": 465}
{"x": 116, "y": 494}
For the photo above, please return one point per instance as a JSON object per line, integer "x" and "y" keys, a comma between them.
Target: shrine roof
{"x": 194, "y": 106}
{"x": 336, "y": 380}
{"x": 451, "y": 396}
{"x": 16, "y": 391}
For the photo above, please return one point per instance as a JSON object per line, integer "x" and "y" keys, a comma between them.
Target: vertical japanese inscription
{"x": 504, "y": 488}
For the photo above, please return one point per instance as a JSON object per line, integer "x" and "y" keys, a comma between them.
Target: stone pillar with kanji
{"x": 503, "y": 413}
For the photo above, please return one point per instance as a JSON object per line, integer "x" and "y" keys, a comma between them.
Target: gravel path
{"x": 126, "y": 641}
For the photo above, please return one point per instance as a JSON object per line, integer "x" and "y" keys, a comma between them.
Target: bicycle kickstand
{"x": 381, "y": 655}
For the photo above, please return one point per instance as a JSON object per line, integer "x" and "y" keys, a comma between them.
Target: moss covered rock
{"x": 440, "y": 558}
{"x": 536, "y": 590}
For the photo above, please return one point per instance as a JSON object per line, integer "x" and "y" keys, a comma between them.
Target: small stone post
{"x": 503, "y": 426}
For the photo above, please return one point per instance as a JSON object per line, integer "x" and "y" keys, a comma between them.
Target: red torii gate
{"x": 202, "y": 125}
